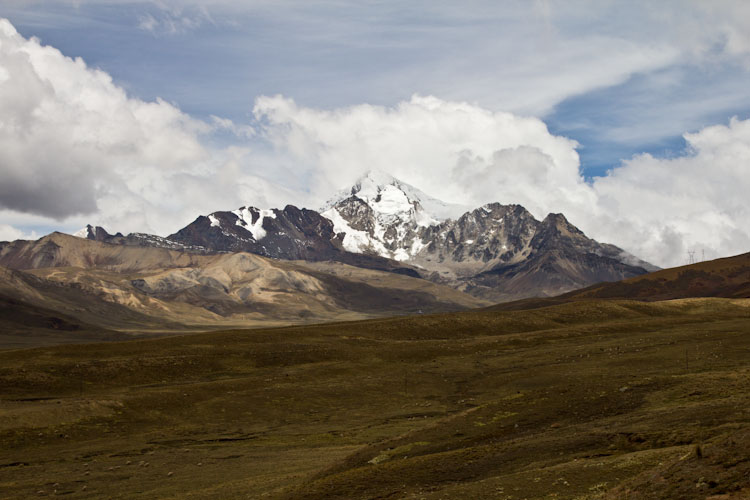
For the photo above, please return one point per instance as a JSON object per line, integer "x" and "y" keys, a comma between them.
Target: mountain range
{"x": 497, "y": 252}
{"x": 379, "y": 248}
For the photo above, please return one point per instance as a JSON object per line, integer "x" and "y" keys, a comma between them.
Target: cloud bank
{"x": 662, "y": 208}
{"x": 75, "y": 148}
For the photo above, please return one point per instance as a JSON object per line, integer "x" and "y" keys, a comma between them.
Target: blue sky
{"x": 214, "y": 58}
{"x": 272, "y": 102}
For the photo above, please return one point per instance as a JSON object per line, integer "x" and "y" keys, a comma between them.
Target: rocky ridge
{"x": 496, "y": 251}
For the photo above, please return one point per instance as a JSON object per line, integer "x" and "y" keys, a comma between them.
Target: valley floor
{"x": 587, "y": 400}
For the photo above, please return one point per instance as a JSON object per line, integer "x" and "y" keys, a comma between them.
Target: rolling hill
{"x": 727, "y": 277}
{"x": 148, "y": 289}
{"x": 595, "y": 399}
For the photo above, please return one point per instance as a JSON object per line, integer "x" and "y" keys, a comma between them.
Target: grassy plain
{"x": 586, "y": 400}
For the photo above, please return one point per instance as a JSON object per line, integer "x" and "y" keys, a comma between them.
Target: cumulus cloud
{"x": 655, "y": 208}
{"x": 75, "y": 147}
{"x": 662, "y": 208}
{"x": 456, "y": 151}
{"x": 66, "y": 131}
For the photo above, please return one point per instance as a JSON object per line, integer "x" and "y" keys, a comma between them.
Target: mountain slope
{"x": 136, "y": 288}
{"x": 76, "y": 303}
{"x": 290, "y": 234}
{"x": 384, "y": 216}
{"x": 728, "y": 278}
{"x": 24, "y": 324}
{"x": 98, "y": 233}
{"x": 558, "y": 258}
{"x": 499, "y": 252}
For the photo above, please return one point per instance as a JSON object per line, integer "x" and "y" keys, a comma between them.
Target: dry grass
{"x": 728, "y": 277}
{"x": 584, "y": 400}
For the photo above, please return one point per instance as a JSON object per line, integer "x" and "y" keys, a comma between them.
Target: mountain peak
{"x": 369, "y": 187}
{"x": 386, "y": 195}
{"x": 375, "y": 178}
{"x": 556, "y": 220}
{"x": 97, "y": 233}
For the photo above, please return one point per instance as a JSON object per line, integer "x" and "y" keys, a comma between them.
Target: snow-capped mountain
{"x": 388, "y": 195}
{"x": 385, "y": 216}
{"x": 291, "y": 234}
{"x": 496, "y": 251}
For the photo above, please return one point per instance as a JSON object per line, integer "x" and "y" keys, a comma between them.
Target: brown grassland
{"x": 587, "y": 400}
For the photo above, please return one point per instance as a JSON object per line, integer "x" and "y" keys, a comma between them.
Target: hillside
{"x": 141, "y": 289}
{"x": 728, "y": 277}
{"x": 23, "y": 324}
{"x": 589, "y": 400}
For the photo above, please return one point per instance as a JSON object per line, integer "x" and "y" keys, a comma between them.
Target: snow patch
{"x": 245, "y": 220}
{"x": 82, "y": 233}
{"x": 397, "y": 197}
{"x": 389, "y": 200}
{"x": 354, "y": 240}
{"x": 416, "y": 246}
{"x": 398, "y": 209}
{"x": 401, "y": 255}
{"x": 424, "y": 219}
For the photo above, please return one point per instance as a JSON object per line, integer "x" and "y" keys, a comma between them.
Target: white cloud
{"x": 523, "y": 57}
{"x": 661, "y": 208}
{"x": 67, "y": 131}
{"x": 147, "y": 22}
{"x": 10, "y": 233}
{"x": 173, "y": 18}
{"x": 456, "y": 151}
{"x": 75, "y": 148}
